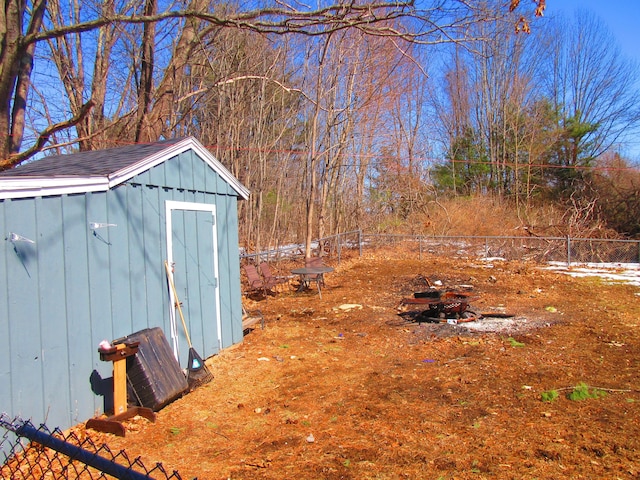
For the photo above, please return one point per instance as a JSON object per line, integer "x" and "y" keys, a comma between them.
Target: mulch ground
{"x": 348, "y": 386}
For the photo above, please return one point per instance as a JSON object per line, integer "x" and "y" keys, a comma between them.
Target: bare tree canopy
{"x": 82, "y": 38}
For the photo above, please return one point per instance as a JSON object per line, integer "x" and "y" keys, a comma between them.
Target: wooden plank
{"x": 251, "y": 318}
{"x": 120, "y": 383}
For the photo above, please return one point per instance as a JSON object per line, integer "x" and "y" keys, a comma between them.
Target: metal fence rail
{"x": 41, "y": 453}
{"x": 539, "y": 249}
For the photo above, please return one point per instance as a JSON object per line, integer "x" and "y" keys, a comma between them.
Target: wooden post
{"x": 120, "y": 381}
{"x": 118, "y": 355}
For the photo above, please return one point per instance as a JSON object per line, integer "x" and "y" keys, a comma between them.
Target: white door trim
{"x": 170, "y": 206}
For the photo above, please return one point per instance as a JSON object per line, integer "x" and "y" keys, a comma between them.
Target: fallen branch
{"x": 610, "y": 390}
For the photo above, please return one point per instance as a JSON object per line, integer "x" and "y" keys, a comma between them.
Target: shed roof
{"x": 100, "y": 170}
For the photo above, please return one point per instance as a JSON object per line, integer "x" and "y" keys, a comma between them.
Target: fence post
{"x": 339, "y": 240}
{"x": 568, "y": 251}
{"x": 486, "y": 247}
{"x": 360, "y": 242}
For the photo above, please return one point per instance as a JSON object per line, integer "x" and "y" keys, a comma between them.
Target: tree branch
{"x": 44, "y": 137}
{"x": 371, "y": 18}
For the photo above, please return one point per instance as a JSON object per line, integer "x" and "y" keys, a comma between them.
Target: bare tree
{"x": 239, "y": 98}
{"x": 593, "y": 89}
{"x": 68, "y": 55}
{"x": 617, "y": 188}
{"x": 21, "y": 32}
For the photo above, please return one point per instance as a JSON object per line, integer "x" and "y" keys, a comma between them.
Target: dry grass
{"x": 362, "y": 394}
{"x": 485, "y": 216}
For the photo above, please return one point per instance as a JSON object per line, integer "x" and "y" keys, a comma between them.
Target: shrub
{"x": 582, "y": 391}
{"x": 550, "y": 396}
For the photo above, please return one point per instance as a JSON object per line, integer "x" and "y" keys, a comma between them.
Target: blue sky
{"x": 622, "y": 17}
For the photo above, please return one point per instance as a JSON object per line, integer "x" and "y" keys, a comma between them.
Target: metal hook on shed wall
{"x": 93, "y": 226}
{"x": 14, "y": 237}
{"x": 17, "y": 239}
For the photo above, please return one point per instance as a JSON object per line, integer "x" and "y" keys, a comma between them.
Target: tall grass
{"x": 483, "y": 216}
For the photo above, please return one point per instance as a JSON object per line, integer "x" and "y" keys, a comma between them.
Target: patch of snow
{"x": 488, "y": 324}
{"x": 612, "y": 272}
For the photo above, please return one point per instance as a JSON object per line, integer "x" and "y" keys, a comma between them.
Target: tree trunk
{"x": 15, "y": 71}
{"x": 145, "y": 87}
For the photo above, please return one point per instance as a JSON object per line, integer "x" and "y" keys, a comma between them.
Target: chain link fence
{"x": 539, "y": 249}
{"x": 34, "y": 453}
{"x": 41, "y": 453}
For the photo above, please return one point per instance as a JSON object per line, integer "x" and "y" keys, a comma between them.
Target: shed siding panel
{"x": 154, "y": 255}
{"x": 144, "y": 178}
{"x": 5, "y": 329}
{"x": 215, "y": 184}
{"x": 75, "y": 233}
{"x": 172, "y": 171}
{"x": 200, "y": 171}
{"x": 230, "y": 299}
{"x": 119, "y": 263}
{"x": 165, "y": 195}
{"x": 194, "y": 269}
{"x": 157, "y": 176}
{"x": 109, "y": 285}
{"x": 211, "y": 344}
{"x": 179, "y": 275}
{"x": 137, "y": 272}
{"x": 207, "y": 279}
{"x": 223, "y": 242}
{"x": 186, "y": 171}
{"x": 98, "y": 256}
{"x": 53, "y": 314}
{"x": 25, "y": 341}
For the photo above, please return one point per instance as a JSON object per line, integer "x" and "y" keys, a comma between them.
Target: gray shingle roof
{"x": 92, "y": 163}
{"x": 101, "y": 170}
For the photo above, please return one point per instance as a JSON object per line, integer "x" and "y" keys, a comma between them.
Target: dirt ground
{"x": 365, "y": 392}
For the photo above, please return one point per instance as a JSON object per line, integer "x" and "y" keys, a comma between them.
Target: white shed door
{"x": 192, "y": 254}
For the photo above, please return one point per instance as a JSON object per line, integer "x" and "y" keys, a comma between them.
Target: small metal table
{"x": 311, "y": 274}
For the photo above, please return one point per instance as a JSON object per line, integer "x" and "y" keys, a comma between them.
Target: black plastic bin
{"x": 154, "y": 376}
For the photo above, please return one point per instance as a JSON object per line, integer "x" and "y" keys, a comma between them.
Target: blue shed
{"x": 86, "y": 237}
